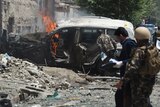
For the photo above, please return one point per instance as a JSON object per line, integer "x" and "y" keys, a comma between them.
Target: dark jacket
{"x": 127, "y": 46}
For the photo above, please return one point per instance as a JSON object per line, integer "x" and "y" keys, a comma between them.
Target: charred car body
{"x": 74, "y": 42}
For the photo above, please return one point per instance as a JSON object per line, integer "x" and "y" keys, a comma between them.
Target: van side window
{"x": 89, "y": 35}
{"x": 67, "y": 35}
{"x": 111, "y": 32}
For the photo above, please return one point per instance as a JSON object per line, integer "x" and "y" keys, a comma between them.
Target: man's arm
{"x": 129, "y": 48}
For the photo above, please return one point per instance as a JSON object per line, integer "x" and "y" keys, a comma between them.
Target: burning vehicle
{"x": 32, "y": 46}
{"x": 74, "y": 42}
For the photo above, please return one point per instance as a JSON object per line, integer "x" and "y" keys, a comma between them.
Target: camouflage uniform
{"x": 106, "y": 43}
{"x": 141, "y": 85}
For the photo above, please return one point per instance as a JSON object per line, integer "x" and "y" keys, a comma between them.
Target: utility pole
{"x": 1, "y": 18}
{"x": 119, "y": 4}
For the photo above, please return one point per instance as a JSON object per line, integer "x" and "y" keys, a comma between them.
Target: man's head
{"x": 158, "y": 38}
{"x": 158, "y": 35}
{"x": 100, "y": 31}
{"x": 142, "y": 35}
{"x": 121, "y": 34}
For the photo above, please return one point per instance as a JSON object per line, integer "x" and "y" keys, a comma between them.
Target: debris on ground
{"x": 25, "y": 80}
{"x": 24, "y": 84}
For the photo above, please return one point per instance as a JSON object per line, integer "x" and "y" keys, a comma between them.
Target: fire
{"x": 49, "y": 24}
{"x": 54, "y": 42}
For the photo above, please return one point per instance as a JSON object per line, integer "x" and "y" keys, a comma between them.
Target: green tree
{"x": 131, "y": 10}
{"x": 155, "y": 15}
{"x": 145, "y": 11}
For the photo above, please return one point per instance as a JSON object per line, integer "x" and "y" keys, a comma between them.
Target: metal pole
{"x": 54, "y": 10}
{"x": 119, "y": 9}
{"x": 1, "y": 18}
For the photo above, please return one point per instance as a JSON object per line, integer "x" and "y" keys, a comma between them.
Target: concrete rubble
{"x": 26, "y": 78}
{"x": 25, "y": 84}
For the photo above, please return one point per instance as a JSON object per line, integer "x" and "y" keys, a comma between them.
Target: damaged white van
{"x": 74, "y": 41}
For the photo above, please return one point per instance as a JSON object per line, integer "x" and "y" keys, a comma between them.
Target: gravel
{"x": 58, "y": 87}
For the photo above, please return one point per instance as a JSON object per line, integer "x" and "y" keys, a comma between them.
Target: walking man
{"x": 123, "y": 93}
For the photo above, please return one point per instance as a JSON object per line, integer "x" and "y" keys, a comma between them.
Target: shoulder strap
{"x": 143, "y": 56}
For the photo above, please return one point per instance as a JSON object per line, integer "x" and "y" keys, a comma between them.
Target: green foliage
{"x": 144, "y": 12}
{"x": 156, "y": 12}
{"x": 131, "y": 10}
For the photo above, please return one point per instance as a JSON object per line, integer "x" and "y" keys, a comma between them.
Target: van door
{"x": 88, "y": 44}
{"x": 61, "y": 44}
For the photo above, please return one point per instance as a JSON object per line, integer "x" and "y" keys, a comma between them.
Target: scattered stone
{"x": 31, "y": 85}
{"x": 3, "y": 95}
{"x": 99, "y": 88}
{"x": 37, "y": 105}
{"x": 71, "y": 103}
{"x": 34, "y": 88}
{"x": 5, "y": 103}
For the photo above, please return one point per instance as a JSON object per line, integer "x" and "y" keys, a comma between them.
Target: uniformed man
{"x": 156, "y": 35}
{"x": 107, "y": 48}
{"x": 141, "y": 80}
{"x": 106, "y": 43}
{"x": 157, "y": 39}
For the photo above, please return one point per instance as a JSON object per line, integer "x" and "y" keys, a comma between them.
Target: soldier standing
{"x": 157, "y": 38}
{"x": 106, "y": 43}
{"x": 142, "y": 69}
{"x": 108, "y": 47}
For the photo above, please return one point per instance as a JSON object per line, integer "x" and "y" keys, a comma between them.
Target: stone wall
{"x": 20, "y": 16}
{"x": 25, "y": 16}
{"x": 66, "y": 9}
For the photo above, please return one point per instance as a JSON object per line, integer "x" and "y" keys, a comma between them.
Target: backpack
{"x": 151, "y": 60}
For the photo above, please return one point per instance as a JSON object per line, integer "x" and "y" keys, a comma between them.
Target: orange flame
{"x": 54, "y": 44}
{"x": 49, "y": 24}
